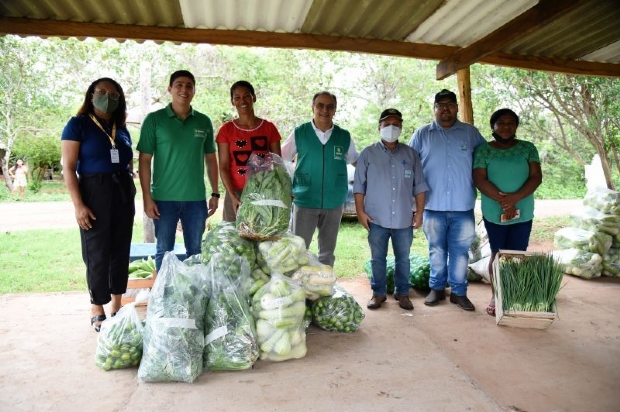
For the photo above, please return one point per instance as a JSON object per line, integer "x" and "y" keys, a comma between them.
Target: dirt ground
{"x": 439, "y": 359}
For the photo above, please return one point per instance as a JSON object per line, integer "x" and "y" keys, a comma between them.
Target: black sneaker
{"x": 463, "y": 302}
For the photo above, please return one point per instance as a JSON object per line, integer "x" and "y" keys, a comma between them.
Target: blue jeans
{"x": 449, "y": 235}
{"x": 378, "y": 238}
{"x": 193, "y": 216}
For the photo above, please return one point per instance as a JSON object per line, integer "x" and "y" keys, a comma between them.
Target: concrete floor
{"x": 439, "y": 359}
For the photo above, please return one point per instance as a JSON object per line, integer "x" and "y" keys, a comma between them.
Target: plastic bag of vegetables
{"x": 230, "y": 342}
{"x": 279, "y": 309}
{"x": 572, "y": 237}
{"x": 266, "y": 199}
{"x": 315, "y": 278}
{"x": 339, "y": 312}
{"x": 224, "y": 239}
{"x": 603, "y": 200}
{"x": 580, "y": 263}
{"x": 119, "y": 343}
{"x": 282, "y": 256}
{"x": 419, "y": 271}
{"x": 174, "y": 329}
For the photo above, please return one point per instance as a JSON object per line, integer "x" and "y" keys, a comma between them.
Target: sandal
{"x": 95, "y": 319}
{"x": 491, "y": 308}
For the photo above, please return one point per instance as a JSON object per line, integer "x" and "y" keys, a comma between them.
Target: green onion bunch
{"x": 530, "y": 283}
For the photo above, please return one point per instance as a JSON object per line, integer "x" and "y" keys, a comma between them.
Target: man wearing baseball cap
{"x": 446, "y": 148}
{"x": 389, "y": 187}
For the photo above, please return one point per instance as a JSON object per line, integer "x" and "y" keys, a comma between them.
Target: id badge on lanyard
{"x": 114, "y": 156}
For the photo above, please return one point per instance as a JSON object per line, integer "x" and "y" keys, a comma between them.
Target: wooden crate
{"x": 139, "y": 284}
{"x": 517, "y": 319}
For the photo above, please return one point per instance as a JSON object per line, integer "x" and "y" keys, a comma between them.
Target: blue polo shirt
{"x": 447, "y": 160}
{"x": 389, "y": 180}
{"x": 94, "y": 156}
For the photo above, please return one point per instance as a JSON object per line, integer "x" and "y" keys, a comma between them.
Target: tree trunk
{"x": 145, "y": 90}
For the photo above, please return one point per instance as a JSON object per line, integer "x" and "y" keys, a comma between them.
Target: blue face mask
{"x": 105, "y": 103}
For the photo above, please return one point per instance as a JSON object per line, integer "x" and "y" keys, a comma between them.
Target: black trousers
{"x": 106, "y": 246}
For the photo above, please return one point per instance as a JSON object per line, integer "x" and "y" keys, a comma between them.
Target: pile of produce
{"x": 266, "y": 199}
{"x": 419, "y": 271}
{"x": 141, "y": 268}
{"x": 316, "y": 281}
{"x": 174, "y": 332}
{"x": 224, "y": 239}
{"x": 528, "y": 283}
{"x": 230, "y": 342}
{"x": 119, "y": 343}
{"x": 339, "y": 312}
{"x": 279, "y": 308}
{"x": 595, "y": 233}
{"x": 282, "y": 256}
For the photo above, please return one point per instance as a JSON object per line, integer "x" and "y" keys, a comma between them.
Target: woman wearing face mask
{"x": 507, "y": 172}
{"x": 389, "y": 187}
{"x": 98, "y": 168}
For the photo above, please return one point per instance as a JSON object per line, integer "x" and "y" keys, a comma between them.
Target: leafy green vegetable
{"x": 230, "y": 342}
{"x": 339, "y": 312}
{"x": 529, "y": 283}
{"x": 174, "y": 330}
{"x": 266, "y": 200}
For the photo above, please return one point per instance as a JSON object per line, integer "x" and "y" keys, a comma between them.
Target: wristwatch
{"x": 215, "y": 195}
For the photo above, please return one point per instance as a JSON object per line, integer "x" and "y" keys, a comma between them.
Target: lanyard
{"x": 113, "y": 137}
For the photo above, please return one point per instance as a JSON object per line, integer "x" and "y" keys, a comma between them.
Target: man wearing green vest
{"x": 320, "y": 184}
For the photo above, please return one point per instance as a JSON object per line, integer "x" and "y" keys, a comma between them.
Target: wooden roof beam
{"x": 527, "y": 22}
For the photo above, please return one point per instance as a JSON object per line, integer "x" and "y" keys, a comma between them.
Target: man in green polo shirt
{"x": 320, "y": 184}
{"x": 175, "y": 140}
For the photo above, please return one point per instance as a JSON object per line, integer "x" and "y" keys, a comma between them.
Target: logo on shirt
{"x": 258, "y": 143}
{"x": 339, "y": 153}
{"x": 200, "y": 133}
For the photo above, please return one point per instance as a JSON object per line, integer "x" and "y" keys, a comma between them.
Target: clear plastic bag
{"x": 119, "y": 343}
{"x": 284, "y": 255}
{"x": 279, "y": 309}
{"x": 266, "y": 199}
{"x": 230, "y": 342}
{"x": 339, "y": 312}
{"x": 315, "y": 278}
{"x": 174, "y": 329}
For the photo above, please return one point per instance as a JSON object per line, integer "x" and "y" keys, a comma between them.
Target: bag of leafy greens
{"x": 230, "y": 342}
{"x": 174, "y": 329}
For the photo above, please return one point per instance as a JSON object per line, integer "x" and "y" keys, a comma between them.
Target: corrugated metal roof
{"x": 591, "y": 32}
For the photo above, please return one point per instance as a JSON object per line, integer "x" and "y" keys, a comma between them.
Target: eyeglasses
{"x": 450, "y": 105}
{"x": 113, "y": 95}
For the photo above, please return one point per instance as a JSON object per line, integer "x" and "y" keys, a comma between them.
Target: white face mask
{"x": 390, "y": 133}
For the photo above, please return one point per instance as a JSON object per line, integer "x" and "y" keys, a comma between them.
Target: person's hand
{"x": 364, "y": 219}
{"x": 508, "y": 200}
{"x": 213, "y": 203}
{"x": 235, "y": 203}
{"x": 417, "y": 220}
{"x": 150, "y": 208}
{"x": 84, "y": 217}
{"x": 510, "y": 213}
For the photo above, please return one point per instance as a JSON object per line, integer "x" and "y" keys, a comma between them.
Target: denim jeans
{"x": 378, "y": 238}
{"x": 193, "y": 216}
{"x": 449, "y": 235}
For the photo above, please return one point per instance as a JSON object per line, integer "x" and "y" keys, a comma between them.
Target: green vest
{"x": 320, "y": 180}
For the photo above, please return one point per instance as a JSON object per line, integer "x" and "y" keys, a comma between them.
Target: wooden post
{"x": 148, "y": 226}
{"x": 465, "y": 106}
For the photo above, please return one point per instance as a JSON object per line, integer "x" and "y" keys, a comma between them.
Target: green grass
{"x": 51, "y": 261}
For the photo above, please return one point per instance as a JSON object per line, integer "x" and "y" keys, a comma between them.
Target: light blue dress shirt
{"x": 447, "y": 160}
{"x": 389, "y": 180}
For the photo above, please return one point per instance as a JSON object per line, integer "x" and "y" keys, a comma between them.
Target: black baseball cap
{"x": 390, "y": 112}
{"x": 445, "y": 93}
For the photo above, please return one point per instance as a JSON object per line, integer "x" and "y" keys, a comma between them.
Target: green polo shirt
{"x": 178, "y": 148}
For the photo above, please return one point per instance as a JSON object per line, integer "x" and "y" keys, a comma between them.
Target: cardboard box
{"x": 139, "y": 284}
{"x": 517, "y": 319}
